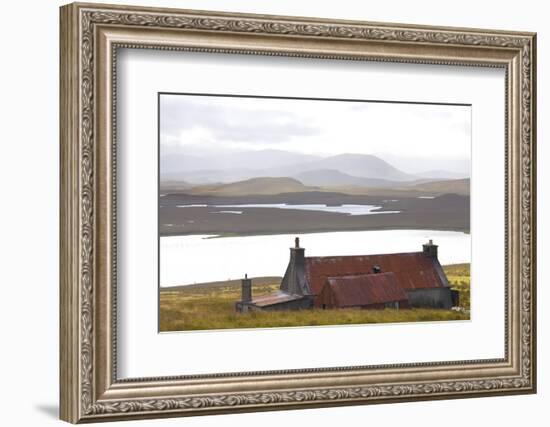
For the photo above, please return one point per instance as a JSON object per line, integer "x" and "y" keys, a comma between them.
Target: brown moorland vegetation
{"x": 212, "y": 306}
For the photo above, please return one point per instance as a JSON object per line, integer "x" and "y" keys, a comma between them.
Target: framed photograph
{"x": 266, "y": 212}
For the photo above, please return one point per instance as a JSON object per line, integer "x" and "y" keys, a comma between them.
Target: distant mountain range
{"x": 246, "y": 161}
{"x": 343, "y": 169}
{"x": 356, "y": 165}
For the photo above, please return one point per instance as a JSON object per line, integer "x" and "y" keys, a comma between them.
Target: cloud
{"x": 199, "y": 124}
{"x": 229, "y": 119}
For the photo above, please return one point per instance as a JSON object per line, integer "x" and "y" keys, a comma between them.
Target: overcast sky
{"x": 437, "y": 134}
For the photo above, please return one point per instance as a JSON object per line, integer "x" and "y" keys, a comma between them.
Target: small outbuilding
{"x": 274, "y": 302}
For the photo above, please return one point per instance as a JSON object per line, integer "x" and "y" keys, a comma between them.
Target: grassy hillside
{"x": 321, "y": 181}
{"x": 212, "y": 306}
{"x": 253, "y": 186}
{"x": 174, "y": 186}
{"x": 455, "y": 186}
{"x": 408, "y": 189}
{"x": 459, "y": 278}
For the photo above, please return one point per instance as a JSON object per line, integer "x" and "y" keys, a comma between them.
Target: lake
{"x": 348, "y": 209}
{"x": 192, "y": 259}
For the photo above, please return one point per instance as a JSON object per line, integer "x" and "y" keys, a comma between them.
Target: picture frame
{"x": 91, "y": 37}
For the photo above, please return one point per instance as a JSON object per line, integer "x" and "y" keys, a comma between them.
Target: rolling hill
{"x": 333, "y": 177}
{"x": 442, "y": 175}
{"x": 450, "y": 186}
{"x": 254, "y": 186}
{"x": 270, "y": 186}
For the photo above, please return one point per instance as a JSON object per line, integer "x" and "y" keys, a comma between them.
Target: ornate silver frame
{"x": 90, "y": 35}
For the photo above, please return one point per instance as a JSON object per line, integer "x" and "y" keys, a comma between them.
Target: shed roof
{"x": 366, "y": 289}
{"x": 413, "y": 270}
{"x": 272, "y": 299}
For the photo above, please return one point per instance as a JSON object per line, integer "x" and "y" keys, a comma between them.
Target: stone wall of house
{"x": 431, "y": 298}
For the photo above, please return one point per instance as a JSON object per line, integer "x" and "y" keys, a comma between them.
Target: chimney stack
{"x": 246, "y": 287}
{"x": 430, "y": 249}
{"x": 297, "y": 254}
{"x": 294, "y": 280}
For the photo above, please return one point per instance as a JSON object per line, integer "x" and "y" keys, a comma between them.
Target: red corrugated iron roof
{"x": 413, "y": 270}
{"x": 365, "y": 289}
{"x": 272, "y": 299}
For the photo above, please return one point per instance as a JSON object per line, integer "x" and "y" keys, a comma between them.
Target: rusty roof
{"x": 272, "y": 299}
{"x": 366, "y": 289}
{"x": 413, "y": 270}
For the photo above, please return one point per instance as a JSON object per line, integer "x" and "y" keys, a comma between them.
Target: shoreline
{"x": 219, "y": 235}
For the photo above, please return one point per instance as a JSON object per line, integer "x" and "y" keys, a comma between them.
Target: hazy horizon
{"x": 413, "y": 138}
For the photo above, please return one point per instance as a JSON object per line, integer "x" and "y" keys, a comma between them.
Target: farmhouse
{"x": 401, "y": 281}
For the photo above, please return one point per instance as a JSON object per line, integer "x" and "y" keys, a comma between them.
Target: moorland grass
{"x": 203, "y": 308}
